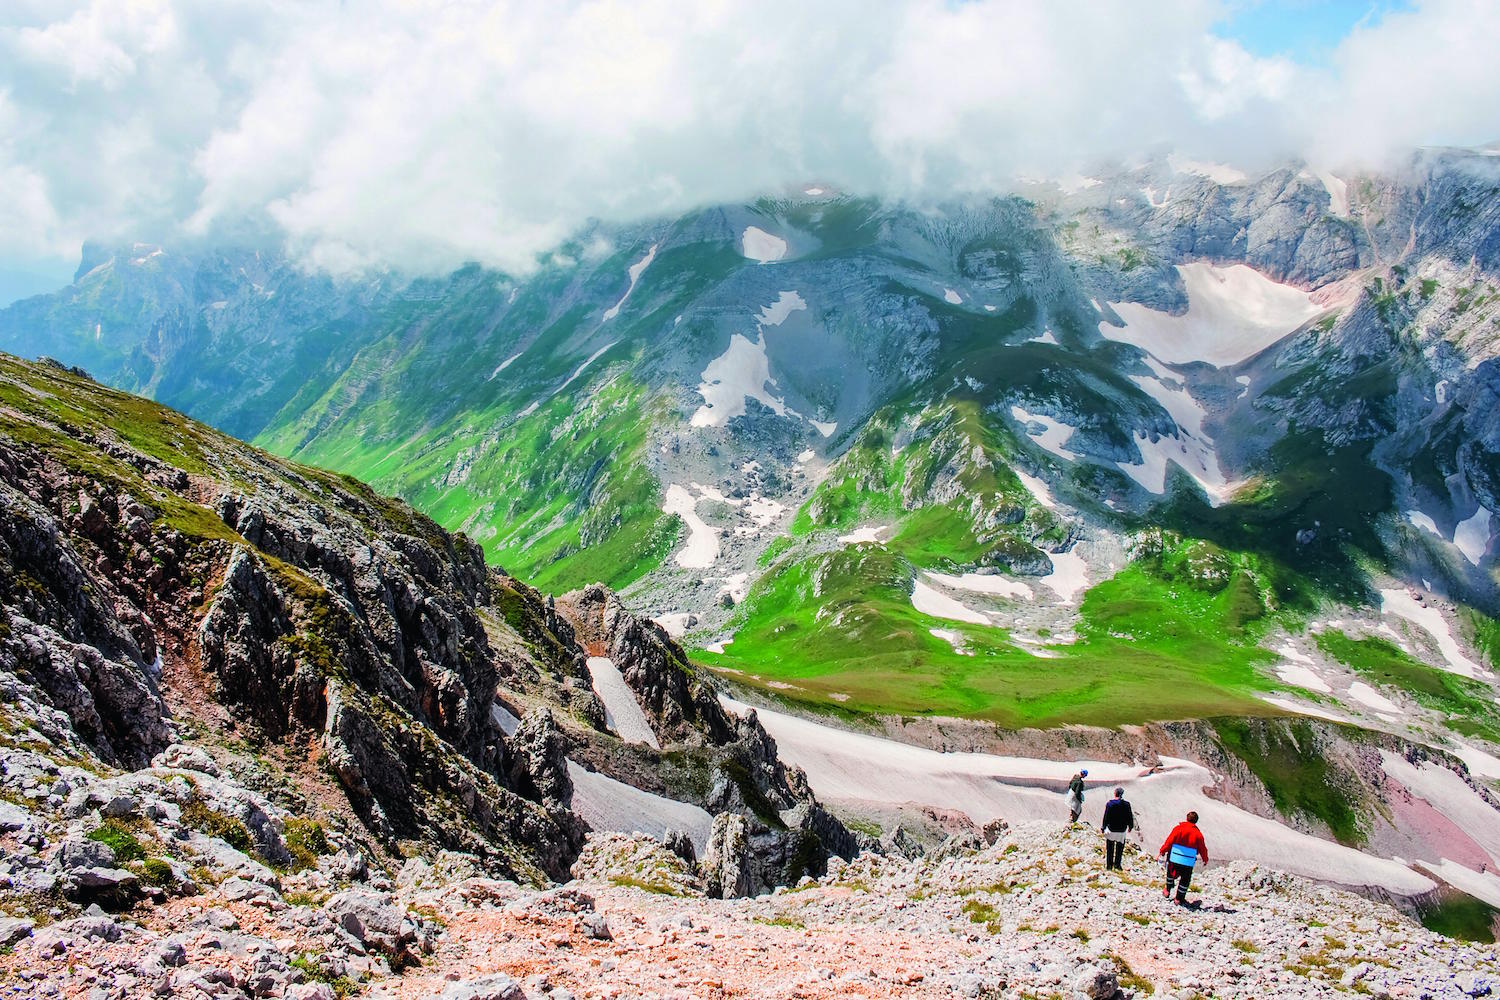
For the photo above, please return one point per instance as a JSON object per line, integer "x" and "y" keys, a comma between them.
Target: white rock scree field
{"x": 699, "y": 551}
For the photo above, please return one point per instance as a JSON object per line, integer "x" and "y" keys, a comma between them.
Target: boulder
{"x": 183, "y": 757}
{"x": 13, "y": 929}
{"x": 496, "y": 986}
{"x": 12, "y": 817}
{"x": 1093, "y": 982}
{"x": 78, "y": 854}
{"x": 378, "y": 923}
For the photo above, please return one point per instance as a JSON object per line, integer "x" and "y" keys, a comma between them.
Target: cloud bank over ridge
{"x": 419, "y": 135}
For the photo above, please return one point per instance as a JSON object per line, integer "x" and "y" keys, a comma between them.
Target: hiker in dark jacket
{"x": 1183, "y": 849}
{"x": 1118, "y": 821}
{"x": 1075, "y": 796}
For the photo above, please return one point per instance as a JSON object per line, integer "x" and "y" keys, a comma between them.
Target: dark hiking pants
{"x": 1114, "y": 853}
{"x": 1182, "y": 875}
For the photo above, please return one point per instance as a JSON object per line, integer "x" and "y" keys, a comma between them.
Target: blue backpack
{"x": 1182, "y": 855}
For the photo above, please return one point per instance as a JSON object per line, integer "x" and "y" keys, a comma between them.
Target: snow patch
{"x": 953, "y": 638}
{"x": 504, "y": 718}
{"x": 864, "y": 536}
{"x": 931, "y": 601}
{"x": 1037, "y": 489}
{"x": 1219, "y": 173}
{"x": 1304, "y": 677}
{"x": 1338, "y": 193}
{"x": 1045, "y": 337}
{"x": 1069, "y": 574}
{"x": 590, "y": 360}
{"x": 1370, "y": 698}
{"x": 504, "y": 365}
{"x": 776, "y": 313}
{"x": 1053, "y": 435}
{"x": 607, "y": 804}
{"x": 1399, "y": 602}
{"x": 702, "y": 546}
{"x": 1291, "y": 652}
{"x": 1233, "y": 314}
{"x": 952, "y": 298}
{"x": 741, "y": 371}
{"x": 804, "y": 457}
{"x": 1074, "y": 183}
{"x": 736, "y": 585}
{"x": 1191, "y": 448}
{"x": 1472, "y": 536}
{"x": 984, "y": 583}
{"x": 622, "y": 712}
{"x": 1483, "y": 764}
{"x": 1422, "y": 521}
{"x": 842, "y": 766}
{"x": 636, "y": 270}
{"x": 1299, "y": 708}
{"x": 675, "y": 623}
{"x": 759, "y": 245}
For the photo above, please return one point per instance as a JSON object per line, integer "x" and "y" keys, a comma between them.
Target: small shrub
{"x": 1081, "y": 934}
{"x": 155, "y": 871}
{"x": 342, "y": 986}
{"x": 1130, "y": 979}
{"x": 306, "y": 898}
{"x": 980, "y": 912}
{"x": 214, "y": 823}
{"x": 652, "y": 886}
{"x": 1248, "y": 947}
{"x": 306, "y": 842}
{"x": 114, "y": 835}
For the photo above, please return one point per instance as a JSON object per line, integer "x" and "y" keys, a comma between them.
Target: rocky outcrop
{"x": 729, "y": 868}
{"x": 768, "y": 827}
{"x": 681, "y": 705}
{"x": 538, "y": 756}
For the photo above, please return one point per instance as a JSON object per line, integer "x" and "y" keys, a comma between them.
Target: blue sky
{"x": 1306, "y": 31}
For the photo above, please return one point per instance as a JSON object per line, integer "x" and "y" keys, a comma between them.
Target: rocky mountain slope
{"x": 1029, "y": 915}
{"x": 333, "y": 671}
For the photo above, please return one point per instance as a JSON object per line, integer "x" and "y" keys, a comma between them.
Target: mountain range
{"x": 897, "y": 459}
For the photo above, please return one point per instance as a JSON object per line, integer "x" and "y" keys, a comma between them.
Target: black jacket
{"x": 1117, "y": 816}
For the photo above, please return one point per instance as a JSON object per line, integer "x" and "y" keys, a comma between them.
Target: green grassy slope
{"x": 1154, "y": 643}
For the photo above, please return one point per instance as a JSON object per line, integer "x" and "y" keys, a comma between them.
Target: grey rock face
{"x": 728, "y": 867}
{"x": 538, "y": 758}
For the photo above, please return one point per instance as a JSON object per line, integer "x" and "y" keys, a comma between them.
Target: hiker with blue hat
{"x": 1183, "y": 850}
{"x": 1075, "y": 796}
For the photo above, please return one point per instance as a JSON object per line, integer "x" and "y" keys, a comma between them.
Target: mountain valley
{"x": 798, "y": 535}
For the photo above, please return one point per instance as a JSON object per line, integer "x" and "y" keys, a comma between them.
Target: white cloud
{"x": 421, "y": 134}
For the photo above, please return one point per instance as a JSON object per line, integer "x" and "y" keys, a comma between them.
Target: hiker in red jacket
{"x": 1183, "y": 848}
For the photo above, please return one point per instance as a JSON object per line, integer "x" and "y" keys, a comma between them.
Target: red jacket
{"x": 1187, "y": 835}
